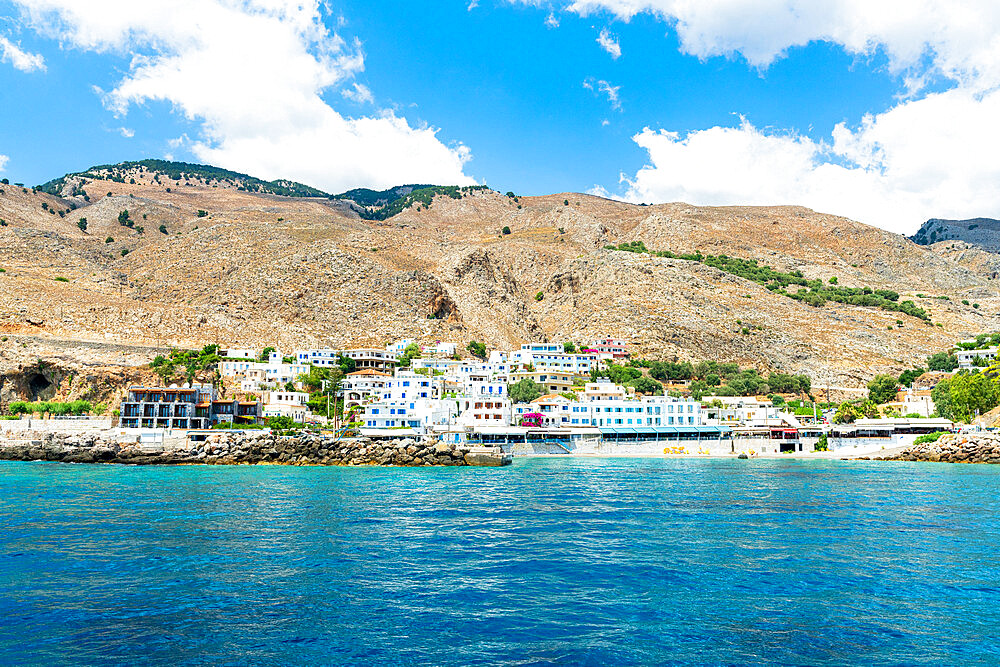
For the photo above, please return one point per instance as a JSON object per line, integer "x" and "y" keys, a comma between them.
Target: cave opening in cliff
{"x": 39, "y": 385}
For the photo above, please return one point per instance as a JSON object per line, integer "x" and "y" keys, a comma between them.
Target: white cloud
{"x": 252, "y": 73}
{"x": 358, "y": 92}
{"x": 472, "y": 5}
{"x": 932, "y": 157}
{"x": 932, "y": 154}
{"x": 3, "y": 162}
{"x": 611, "y": 92}
{"x": 552, "y": 21}
{"x": 21, "y": 60}
{"x": 961, "y": 36}
{"x": 126, "y": 132}
{"x": 609, "y": 43}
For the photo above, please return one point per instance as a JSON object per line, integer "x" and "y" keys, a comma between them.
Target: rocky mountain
{"x": 982, "y": 232}
{"x": 129, "y": 258}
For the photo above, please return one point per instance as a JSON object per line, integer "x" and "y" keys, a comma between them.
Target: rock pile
{"x": 962, "y": 448}
{"x": 235, "y": 448}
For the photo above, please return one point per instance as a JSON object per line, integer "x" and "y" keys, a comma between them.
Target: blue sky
{"x": 873, "y": 117}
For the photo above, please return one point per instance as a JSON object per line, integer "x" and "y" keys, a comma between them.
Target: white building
{"x": 238, "y": 354}
{"x": 969, "y": 359}
{"x": 418, "y": 414}
{"x": 557, "y": 410}
{"x": 379, "y": 360}
{"x": 551, "y": 357}
{"x": 399, "y": 347}
{"x": 286, "y": 404}
{"x": 360, "y": 387}
{"x": 440, "y": 349}
{"x": 255, "y": 375}
{"x": 477, "y": 411}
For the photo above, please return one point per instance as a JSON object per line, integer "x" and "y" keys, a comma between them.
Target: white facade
{"x": 286, "y": 404}
{"x": 399, "y": 347}
{"x": 550, "y": 357}
{"x": 362, "y": 386}
{"x": 440, "y": 349}
{"x": 475, "y": 411}
{"x": 363, "y": 357}
{"x": 234, "y": 353}
{"x": 968, "y": 359}
{"x": 420, "y": 414}
{"x": 256, "y": 374}
{"x": 647, "y": 411}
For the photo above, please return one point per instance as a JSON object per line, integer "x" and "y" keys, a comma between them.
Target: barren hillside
{"x": 255, "y": 269}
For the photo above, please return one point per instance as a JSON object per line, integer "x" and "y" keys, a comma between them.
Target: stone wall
{"x": 235, "y": 448}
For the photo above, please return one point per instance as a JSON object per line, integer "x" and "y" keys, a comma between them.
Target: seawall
{"x": 243, "y": 448}
{"x": 952, "y": 448}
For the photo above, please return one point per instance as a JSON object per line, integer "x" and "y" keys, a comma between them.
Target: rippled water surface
{"x": 549, "y": 561}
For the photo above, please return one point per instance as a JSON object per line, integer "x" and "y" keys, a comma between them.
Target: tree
{"x": 847, "y": 413}
{"x": 882, "y": 389}
{"x": 266, "y": 353}
{"x": 477, "y": 349}
{"x": 281, "y": 423}
{"x": 411, "y": 352}
{"x": 82, "y": 224}
{"x": 649, "y": 386}
{"x": 505, "y": 231}
{"x": 942, "y": 361}
{"x": 907, "y": 377}
{"x": 163, "y": 229}
{"x": 202, "y": 214}
{"x": 965, "y": 396}
{"x": 109, "y": 240}
{"x": 346, "y": 364}
{"x": 569, "y": 348}
{"x": 123, "y": 218}
{"x": 525, "y": 391}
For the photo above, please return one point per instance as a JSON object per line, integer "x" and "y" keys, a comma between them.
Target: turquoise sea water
{"x": 549, "y": 561}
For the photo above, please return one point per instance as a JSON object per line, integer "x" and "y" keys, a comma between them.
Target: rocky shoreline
{"x": 239, "y": 448}
{"x": 952, "y": 448}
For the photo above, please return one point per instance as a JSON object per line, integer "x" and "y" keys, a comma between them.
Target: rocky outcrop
{"x": 973, "y": 448}
{"x": 239, "y": 448}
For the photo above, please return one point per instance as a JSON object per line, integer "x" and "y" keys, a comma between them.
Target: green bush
{"x": 812, "y": 292}
{"x": 60, "y": 279}
{"x": 50, "y": 407}
{"x": 539, "y": 296}
{"x": 82, "y": 224}
{"x": 928, "y": 437}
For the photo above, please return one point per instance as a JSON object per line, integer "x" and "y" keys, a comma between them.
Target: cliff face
{"x": 981, "y": 232}
{"x": 213, "y": 263}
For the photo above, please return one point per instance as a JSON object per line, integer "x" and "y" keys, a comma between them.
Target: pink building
{"x": 612, "y": 347}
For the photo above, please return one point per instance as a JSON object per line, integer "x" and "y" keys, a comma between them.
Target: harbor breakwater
{"x": 952, "y": 448}
{"x": 243, "y": 448}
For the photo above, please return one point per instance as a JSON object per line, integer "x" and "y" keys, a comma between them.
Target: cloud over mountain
{"x": 253, "y": 74}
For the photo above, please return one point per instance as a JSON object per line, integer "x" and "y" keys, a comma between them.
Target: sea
{"x": 549, "y": 561}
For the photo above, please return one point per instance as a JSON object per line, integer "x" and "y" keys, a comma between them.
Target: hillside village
{"x": 554, "y": 398}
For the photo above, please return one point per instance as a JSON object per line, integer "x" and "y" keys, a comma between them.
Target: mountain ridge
{"x": 202, "y": 264}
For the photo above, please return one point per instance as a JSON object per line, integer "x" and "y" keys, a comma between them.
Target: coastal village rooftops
{"x": 369, "y": 372}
